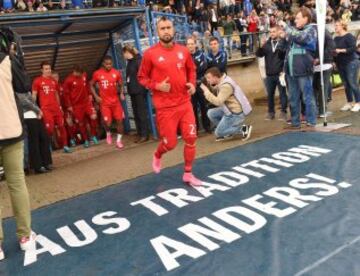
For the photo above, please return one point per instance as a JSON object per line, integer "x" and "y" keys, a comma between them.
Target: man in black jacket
{"x": 137, "y": 93}
{"x": 321, "y": 102}
{"x": 274, "y": 50}
{"x": 198, "y": 100}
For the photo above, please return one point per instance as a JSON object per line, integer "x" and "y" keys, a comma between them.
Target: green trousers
{"x": 11, "y": 158}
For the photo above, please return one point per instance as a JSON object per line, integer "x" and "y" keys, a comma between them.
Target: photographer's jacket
{"x": 229, "y": 96}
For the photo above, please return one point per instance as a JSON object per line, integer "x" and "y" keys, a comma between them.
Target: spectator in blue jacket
{"x": 217, "y": 57}
{"x": 198, "y": 99}
{"x": 302, "y": 40}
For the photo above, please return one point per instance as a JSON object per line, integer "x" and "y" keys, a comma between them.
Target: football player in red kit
{"x": 79, "y": 103}
{"x": 109, "y": 83}
{"x": 168, "y": 70}
{"x": 70, "y": 126}
{"x": 46, "y": 89}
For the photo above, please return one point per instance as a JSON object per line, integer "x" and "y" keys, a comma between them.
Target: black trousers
{"x": 138, "y": 103}
{"x": 199, "y": 102}
{"x": 39, "y": 144}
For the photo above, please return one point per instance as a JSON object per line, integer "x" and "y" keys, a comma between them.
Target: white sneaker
{"x": 28, "y": 243}
{"x": 356, "y": 107}
{"x": 346, "y": 107}
{"x": 2, "y": 255}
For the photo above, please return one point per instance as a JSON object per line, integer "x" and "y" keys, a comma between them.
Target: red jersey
{"x": 107, "y": 81}
{"x": 76, "y": 90}
{"x": 47, "y": 90}
{"x": 158, "y": 63}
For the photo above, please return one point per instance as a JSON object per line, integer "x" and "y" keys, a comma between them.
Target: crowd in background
{"x": 200, "y": 12}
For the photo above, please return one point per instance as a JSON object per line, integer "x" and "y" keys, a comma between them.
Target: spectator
{"x": 274, "y": 50}
{"x": 30, "y": 6}
{"x": 137, "y": 92}
{"x": 12, "y": 147}
{"x": 63, "y": 5}
{"x": 214, "y": 19}
{"x": 20, "y": 5}
{"x": 50, "y": 5}
{"x": 241, "y": 25}
{"x": 283, "y": 5}
{"x": 232, "y": 105}
{"x": 253, "y": 23}
{"x": 347, "y": 63}
{"x": 198, "y": 100}
{"x": 355, "y": 11}
{"x": 299, "y": 66}
{"x": 216, "y": 56}
{"x": 204, "y": 19}
{"x": 38, "y": 141}
{"x": 206, "y": 42}
{"x": 321, "y": 102}
{"x": 6, "y": 6}
{"x": 229, "y": 28}
{"x": 41, "y": 7}
{"x": 248, "y": 7}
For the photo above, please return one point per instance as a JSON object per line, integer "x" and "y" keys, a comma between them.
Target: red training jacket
{"x": 76, "y": 90}
{"x": 158, "y": 63}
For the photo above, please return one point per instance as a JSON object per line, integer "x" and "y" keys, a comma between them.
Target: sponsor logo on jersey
{"x": 161, "y": 59}
{"x": 180, "y": 55}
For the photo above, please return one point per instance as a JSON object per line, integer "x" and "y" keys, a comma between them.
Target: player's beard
{"x": 166, "y": 39}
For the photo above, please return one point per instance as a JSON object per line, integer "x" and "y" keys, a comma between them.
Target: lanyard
{"x": 273, "y": 47}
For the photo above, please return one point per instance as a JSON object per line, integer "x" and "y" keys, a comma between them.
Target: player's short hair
{"x": 44, "y": 63}
{"x": 214, "y": 38}
{"x": 107, "y": 57}
{"x": 214, "y": 71}
{"x": 162, "y": 19}
{"x": 78, "y": 68}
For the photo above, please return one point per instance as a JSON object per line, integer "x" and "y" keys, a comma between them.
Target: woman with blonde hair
{"x": 348, "y": 65}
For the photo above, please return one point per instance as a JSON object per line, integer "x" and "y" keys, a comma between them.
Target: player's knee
{"x": 93, "y": 117}
{"x": 191, "y": 140}
{"x": 170, "y": 144}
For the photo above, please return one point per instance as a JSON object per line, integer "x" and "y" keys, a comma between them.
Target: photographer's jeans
{"x": 225, "y": 124}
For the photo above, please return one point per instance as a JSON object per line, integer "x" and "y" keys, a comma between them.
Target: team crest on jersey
{"x": 180, "y": 55}
{"x": 114, "y": 76}
{"x": 161, "y": 59}
{"x": 74, "y": 83}
{"x": 102, "y": 77}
